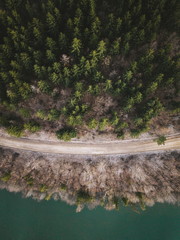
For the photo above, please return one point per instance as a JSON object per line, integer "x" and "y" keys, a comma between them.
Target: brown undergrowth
{"x": 110, "y": 181}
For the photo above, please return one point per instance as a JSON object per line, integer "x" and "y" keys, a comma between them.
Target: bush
{"x": 41, "y": 114}
{"x": 53, "y": 115}
{"x": 116, "y": 202}
{"x": 176, "y": 111}
{"x": 115, "y": 119}
{"x": 9, "y": 106}
{"x": 92, "y": 123}
{"x": 32, "y": 126}
{"x": 24, "y": 112}
{"x": 43, "y": 188}
{"x": 125, "y": 201}
{"x": 74, "y": 120}
{"x": 29, "y": 180}
{"x": 120, "y": 134}
{"x": 135, "y": 132}
{"x": 103, "y": 124}
{"x": 16, "y": 131}
{"x": 83, "y": 197}
{"x": 122, "y": 125}
{"x": 161, "y": 140}
{"x": 6, "y": 177}
{"x": 66, "y": 134}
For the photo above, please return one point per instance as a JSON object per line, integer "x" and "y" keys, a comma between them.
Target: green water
{"x": 26, "y": 219}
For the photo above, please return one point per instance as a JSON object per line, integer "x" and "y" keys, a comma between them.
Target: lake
{"x": 27, "y": 219}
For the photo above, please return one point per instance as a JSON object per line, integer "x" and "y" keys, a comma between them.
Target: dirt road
{"x": 120, "y": 147}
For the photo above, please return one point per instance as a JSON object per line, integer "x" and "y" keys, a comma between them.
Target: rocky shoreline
{"x": 134, "y": 180}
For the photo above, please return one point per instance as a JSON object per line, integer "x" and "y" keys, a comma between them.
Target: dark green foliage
{"x": 161, "y": 140}
{"x": 32, "y": 126}
{"x": 41, "y": 114}
{"x": 83, "y": 197}
{"x": 116, "y": 202}
{"x": 120, "y": 134}
{"x": 24, "y": 112}
{"x": 89, "y": 47}
{"x": 125, "y": 201}
{"x": 15, "y": 130}
{"x": 103, "y": 124}
{"x": 93, "y": 123}
{"x": 53, "y": 115}
{"x": 66, "y": 134}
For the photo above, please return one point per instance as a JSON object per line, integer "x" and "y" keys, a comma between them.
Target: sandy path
{"x": 121, "y": 147}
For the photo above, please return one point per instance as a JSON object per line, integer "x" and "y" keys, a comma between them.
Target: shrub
{"x": 43, "y": 188}
{"x": 9, "y": 106}
{"x": 32, "y": 126}
{"x": 161, "y": 140}
{"x": 176, "y": 111}
{"x": 92, "y": 123}
{"x": 125, "y": 201}
{"x": 103, "y": 124}
{"x": 138, "y": 121}
{"x": 115, "y": 119}
{"x": 66, "y": 134}
{"x": 29, "y": 180}
{"x": 135, "y": 133}
{"x": 41, "y": 114}
{"x": 75, "y": 120}
{"x": 122, "y": 125}
{"x": 120, "y": 134}
{"x": 83, "y": 197}
{"x": 24, "y": 112}
{"x": 115, "y": 201}
{"x": 6, "y": 177}
{"x": 53, "y": 115}
{"x": 16, "y": 131}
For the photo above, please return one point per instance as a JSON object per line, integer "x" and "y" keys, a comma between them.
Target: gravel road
{"x": 121, "y": 147}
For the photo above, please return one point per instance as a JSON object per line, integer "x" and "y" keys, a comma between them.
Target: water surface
{"x": 26, "y": 219}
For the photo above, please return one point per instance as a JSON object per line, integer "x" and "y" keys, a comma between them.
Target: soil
{"x": 89, "y": 148}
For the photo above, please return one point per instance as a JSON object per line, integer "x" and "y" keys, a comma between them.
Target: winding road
{"x": 85, "y": 148}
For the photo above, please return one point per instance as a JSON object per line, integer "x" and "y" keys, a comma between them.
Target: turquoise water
{"x": 26, "y": 219}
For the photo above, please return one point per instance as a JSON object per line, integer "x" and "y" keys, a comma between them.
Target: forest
{"x": 69, "y": 66}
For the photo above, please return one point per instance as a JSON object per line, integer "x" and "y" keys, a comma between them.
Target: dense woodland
{"x": 68, "y": 65}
